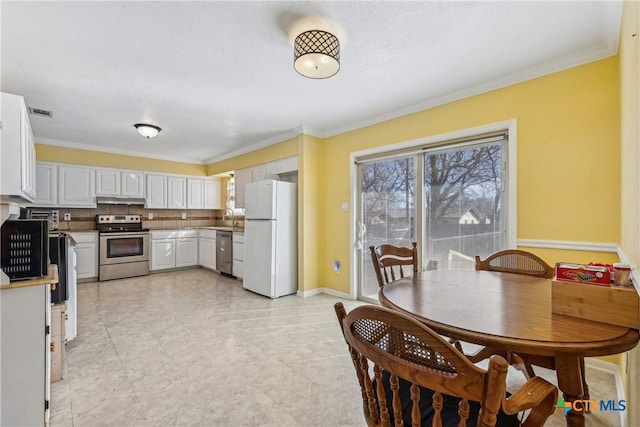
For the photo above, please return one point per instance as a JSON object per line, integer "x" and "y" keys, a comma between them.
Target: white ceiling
{"x": 218, "y": 77}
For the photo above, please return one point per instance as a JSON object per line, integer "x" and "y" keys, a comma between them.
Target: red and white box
{"x": 592, "y": 274}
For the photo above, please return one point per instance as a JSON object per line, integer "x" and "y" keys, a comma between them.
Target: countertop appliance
{"x": 24, "y": 248}
{"x": 224, "y": 252}
{"x": 271, "y": 247}
{"x": 124, "y": 247}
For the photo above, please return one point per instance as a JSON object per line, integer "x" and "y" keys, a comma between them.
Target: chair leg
{"x": 521, "y": 365}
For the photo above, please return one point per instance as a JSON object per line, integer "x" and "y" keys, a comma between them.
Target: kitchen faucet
{"x": 233, "y": 218}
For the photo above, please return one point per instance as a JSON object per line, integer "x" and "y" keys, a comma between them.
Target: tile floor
{"x": 194, "y": 348}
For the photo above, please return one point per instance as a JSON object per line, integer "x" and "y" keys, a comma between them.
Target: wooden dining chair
{"x": 409, "y": 375}
{"x": 516, "y": 261}
{"x": 390, "y": 261}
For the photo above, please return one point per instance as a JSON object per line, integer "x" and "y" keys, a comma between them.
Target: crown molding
{"x": 605, "y": 50}
{"x": 100, "y": 149}
{"x": 290, "y": 133}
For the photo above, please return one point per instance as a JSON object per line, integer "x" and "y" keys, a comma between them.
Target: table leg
{"x": 570, "y": 380}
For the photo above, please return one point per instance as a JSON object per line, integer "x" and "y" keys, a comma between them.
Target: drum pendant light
{"x": 316, "y": 54}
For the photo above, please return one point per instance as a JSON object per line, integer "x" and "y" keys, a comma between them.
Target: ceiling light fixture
{"x": 316, "y": 54}
{"x": 148, "y": 131}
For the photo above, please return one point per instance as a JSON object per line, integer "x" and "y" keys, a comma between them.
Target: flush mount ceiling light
{"x": 317, "y": 42}
{"x": 148, "y": 131}
{"x": 316, "y": 54}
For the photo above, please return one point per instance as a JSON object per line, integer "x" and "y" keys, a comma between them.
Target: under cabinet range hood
{"x": 120, "y": 200}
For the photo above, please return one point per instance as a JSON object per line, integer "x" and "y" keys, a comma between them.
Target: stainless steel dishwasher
{"x": 224, "y": 255}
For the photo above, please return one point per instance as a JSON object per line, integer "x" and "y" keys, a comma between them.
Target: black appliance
{"x": 59, "y": 255}
{"x": 24, "y": 248}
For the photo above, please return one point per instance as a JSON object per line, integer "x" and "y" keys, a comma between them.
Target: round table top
{"x": 503, "y": 310}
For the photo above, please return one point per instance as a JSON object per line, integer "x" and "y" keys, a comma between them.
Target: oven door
{"x": 119, "y": 248}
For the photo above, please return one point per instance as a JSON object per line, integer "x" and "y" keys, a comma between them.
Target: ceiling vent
{"x": 40, "y": 112}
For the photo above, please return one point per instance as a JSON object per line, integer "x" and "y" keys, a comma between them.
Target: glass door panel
{"x": 387, "y": 212}
{"x": 462, "y": 205}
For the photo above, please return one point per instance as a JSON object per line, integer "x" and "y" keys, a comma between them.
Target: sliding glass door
{"x": 387, "y": 212}
{"x": 454, "y": 210}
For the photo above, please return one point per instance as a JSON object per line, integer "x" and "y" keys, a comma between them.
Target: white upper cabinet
{"x": 116, "y": 182}
{"x": 212, "y": 194}
{"x": 132, "y": 183}
{"x": 203, "y": 193}
{"x": 107, "y": 182}
{"x": 76, "y": 186}
{"x": 242, "y": 178}
{"x": 156, "y": 191}
{"x": 195, "y": 193}
{"x": 18, "y": 162}
{"x": 46, "y": 184}
{"x": 176, "y": 192}
{"x": 260, "y": 172}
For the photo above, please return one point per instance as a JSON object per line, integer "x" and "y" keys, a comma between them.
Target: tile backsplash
{"x": 85, "y": 219}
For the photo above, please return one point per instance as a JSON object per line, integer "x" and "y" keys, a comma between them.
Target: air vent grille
{"x": 40, "y": 112}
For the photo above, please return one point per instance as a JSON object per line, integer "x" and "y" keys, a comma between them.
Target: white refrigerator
{"x": 271, "y": 238}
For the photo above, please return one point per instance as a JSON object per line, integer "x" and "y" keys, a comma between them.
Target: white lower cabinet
{"x": 187, "y": 251}
{"x": 86, "y": 254}
{"x": 163, "y": 254}
{"x": 207, "y": 249}
{"x": 173, "y": 249}
{"x": 25, "y": 360}
{"x": 238, "y": 254}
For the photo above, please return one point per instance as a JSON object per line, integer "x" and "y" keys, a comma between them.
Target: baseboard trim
{"x": 614, "y": 369}
{"x": 327, "y": 291}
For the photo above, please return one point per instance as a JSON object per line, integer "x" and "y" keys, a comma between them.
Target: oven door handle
{"x": 125, "y": 234}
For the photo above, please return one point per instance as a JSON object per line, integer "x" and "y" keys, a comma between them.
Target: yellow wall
{"x": 630, "y": 161}
{"x": 310, "y": 221}
{"x": 568, "y": 148}
{"x": 277, "y": 151}
{"x": 51, "y": 153}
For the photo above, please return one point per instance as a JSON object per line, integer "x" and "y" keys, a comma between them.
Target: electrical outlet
{"x": 336, "y": 266}
{"x": 67, "y": 217}
{"x": 150, "y": 215}
{"x": 184, "y": 215}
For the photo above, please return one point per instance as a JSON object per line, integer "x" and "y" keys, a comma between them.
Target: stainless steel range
{"x": 124, "y": 246}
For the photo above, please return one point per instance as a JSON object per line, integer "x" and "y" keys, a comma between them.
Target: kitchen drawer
{"x": 173, "y": 234}
{"x": 207, "y": 233}
{"x": 238, "y": 237}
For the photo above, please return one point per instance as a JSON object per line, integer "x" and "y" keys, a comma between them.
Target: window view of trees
{"x": 461, "y": 209}
{"x": 388, "y": 209}
{"x": 462, "y": 205}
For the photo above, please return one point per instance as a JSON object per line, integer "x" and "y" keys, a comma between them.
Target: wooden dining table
{"x": 510, "y": 313}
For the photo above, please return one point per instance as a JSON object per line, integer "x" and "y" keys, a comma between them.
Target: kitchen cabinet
{"x": 58, "y": 314}
{"x": 156, "y": 191}
{"x": 203, "y": 193}
{"x": 25, "y": 358}
{"x": 117, "y": 182}
{"x": 187, "y": 251}
{"x": 163, "y": 254}
{"x": 86, "y": 254}
{"x": 176, "y": 192}
{"x": 212, "y": 194}
{"x": 76, "y": 186}
{"x": 195, "y": 193}
{"x": 18, "y": 162}
{"x": 260, "y": 172}
{"x": 46, "y": 184}
{"x": 238, "y": 254}
{"x": 173, "y": 249}
{"x": 207, "y": 248}
{"x": 242, "y": 178}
